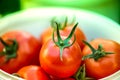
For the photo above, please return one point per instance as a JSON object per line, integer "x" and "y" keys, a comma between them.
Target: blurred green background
{"x": 108, "y": 8}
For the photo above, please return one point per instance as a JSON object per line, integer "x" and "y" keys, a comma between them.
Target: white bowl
{"x": 37, "y": 19}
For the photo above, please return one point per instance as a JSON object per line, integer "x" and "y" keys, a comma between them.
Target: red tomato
{"x": 33, "y": 72}
{"x": 63, "y": 79}
{"x": 56, "y": 78}
{"x": 68, "y": 79}
{"x": 47, "y": 34}
{"x": 106, "y": 59}
{"x": 21, "y": 49}
{"x": 55, "y": 64}
{"x": 50, "y": 59}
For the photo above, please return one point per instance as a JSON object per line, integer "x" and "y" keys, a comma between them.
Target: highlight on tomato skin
{"x": 19, "y": 48}
{"x": 102, "y": 57}
{"x": 33, "y": 72}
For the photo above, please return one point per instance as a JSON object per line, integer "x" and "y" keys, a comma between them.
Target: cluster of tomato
{"x": 61, "y": 53}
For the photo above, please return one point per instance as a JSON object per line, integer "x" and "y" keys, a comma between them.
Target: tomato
{"x": 52, "y": 64}
{"x": 60, "y": 59}
{"x": 102, "y": 57}
{"x": 69, "y": 79}
{"x": 56, "y": 78}
{"x": 17, "y": 49}
{"x": 66, "y": 28}
{"x": 63, "y": 78}
{"x": 33, "y": 72}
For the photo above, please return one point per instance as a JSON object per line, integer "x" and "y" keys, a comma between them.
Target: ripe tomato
{"x": 50, "y": 59}
{"x": 102, "y": 58}
{"x": 61, "y": 59}
{"x": 17, "y": 49}
{"x": 33, "y": 72}
{"x": 54, "y": 78}
{"x": 66, "y": 28}
{"x": 68, "y": 79}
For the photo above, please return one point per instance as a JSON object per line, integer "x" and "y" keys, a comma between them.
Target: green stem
{"x": 92, "y": 49}
{"x": 9, "y": 50}
{"x": 72, "y": 32}
{"x": 96, "y": 53}
{"x": 61, "y": 50}
{"x": 60, "y": 41}
{"x": 73, "y": 20}
{"x": 81, "y": 74}
{"x": 53, "y": 24}
{"x": 61, "y": 26}
{"x": 63, "y": 43}
{"x": 65, "y": 22}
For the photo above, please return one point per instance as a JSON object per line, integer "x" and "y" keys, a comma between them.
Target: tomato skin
{"x": 62, "y": 78}
{"x": 80, "y": 36}
{"x": 51, "y": 63}
{"x": 27, "y": 53}
{"x": 56, "y": 78}
{"x": 104, "y": 66}
{"x": 47, "y": 34}
{"x": 33, "y": 72}
{"x": 69, "y": 79}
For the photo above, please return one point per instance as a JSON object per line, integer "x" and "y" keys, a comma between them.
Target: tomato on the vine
{"x": 61, "y": 56}
{"x": 17, "y": 49}
{"x": 102, "y": 57}
{"x": 64, "y": 28}
{"x": 33, "y": 72}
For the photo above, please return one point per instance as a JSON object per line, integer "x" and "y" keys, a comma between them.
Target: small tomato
{"x": 33, "y": 72}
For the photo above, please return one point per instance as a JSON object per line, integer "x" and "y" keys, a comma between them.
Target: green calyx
{"x": 63, "y": 43}
{"x": 81, "y": 74}
{"x": 61, "y": 26}
{"x": 9, "y": 50}
{"x": 96, "y": 54}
